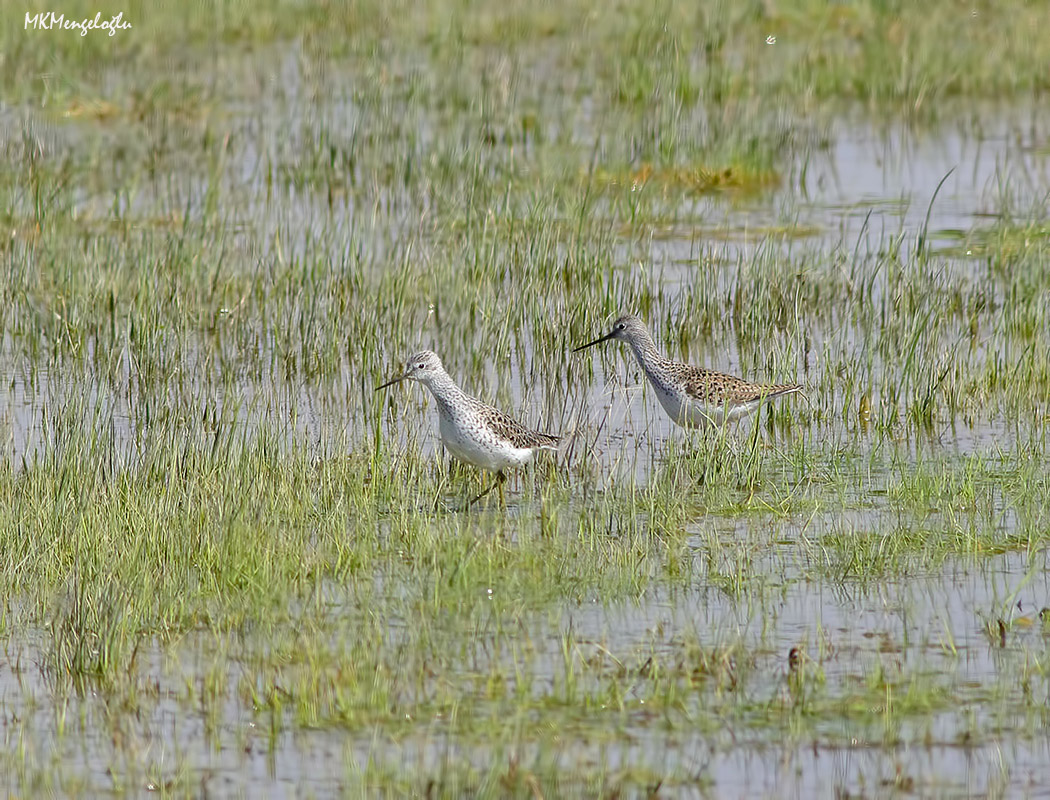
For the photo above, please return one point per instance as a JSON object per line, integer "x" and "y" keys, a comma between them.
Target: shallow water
{"x": 936, "y": 625}
{"x": 927, "y": 625}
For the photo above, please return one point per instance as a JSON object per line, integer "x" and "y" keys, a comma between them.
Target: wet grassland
{"x": 223, "y": 569}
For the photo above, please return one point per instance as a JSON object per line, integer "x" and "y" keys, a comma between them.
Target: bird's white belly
{"x": 689, "y": 412}
{"x": 474, "y": 444}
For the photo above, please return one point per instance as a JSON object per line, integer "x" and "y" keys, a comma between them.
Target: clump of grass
{"x": 676, "y": 180}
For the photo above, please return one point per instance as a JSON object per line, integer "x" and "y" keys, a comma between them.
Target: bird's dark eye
{"x": 621, "y": 326}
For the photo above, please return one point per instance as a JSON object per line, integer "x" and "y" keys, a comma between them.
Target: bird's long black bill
{"x": 391, "y": 382}
{"x": 604, "y": 338}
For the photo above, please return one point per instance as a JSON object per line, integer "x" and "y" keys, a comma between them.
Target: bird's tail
{"x": 780, "y": 389}
{"x": 547, "y": 441}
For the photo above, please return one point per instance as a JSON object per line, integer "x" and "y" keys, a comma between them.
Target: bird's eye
{"x": 621, "y": 326}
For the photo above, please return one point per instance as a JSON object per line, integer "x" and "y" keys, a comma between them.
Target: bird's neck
{"x": 445, "y": 391}
{"x": 645, "y": 351}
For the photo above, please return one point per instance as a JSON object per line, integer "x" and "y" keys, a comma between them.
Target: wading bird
{"x": 693, "y": 397}
{"x": 471, "y": 430}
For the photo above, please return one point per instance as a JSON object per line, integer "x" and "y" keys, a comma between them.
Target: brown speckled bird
{"x": 694, "y": 397}
{"x": 471, "y": 430}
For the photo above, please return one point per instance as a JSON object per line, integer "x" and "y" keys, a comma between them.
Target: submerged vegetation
{"x": 229, "y": 565}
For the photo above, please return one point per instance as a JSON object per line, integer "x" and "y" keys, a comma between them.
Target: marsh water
{"x": 966, "y": 631}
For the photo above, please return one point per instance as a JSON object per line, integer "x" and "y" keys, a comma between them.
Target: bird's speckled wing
{"x": 717, "y": 388}
{"x": 513, "y": 431}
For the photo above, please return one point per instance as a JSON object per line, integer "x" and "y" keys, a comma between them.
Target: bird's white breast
{"x": 469, "y": 440}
